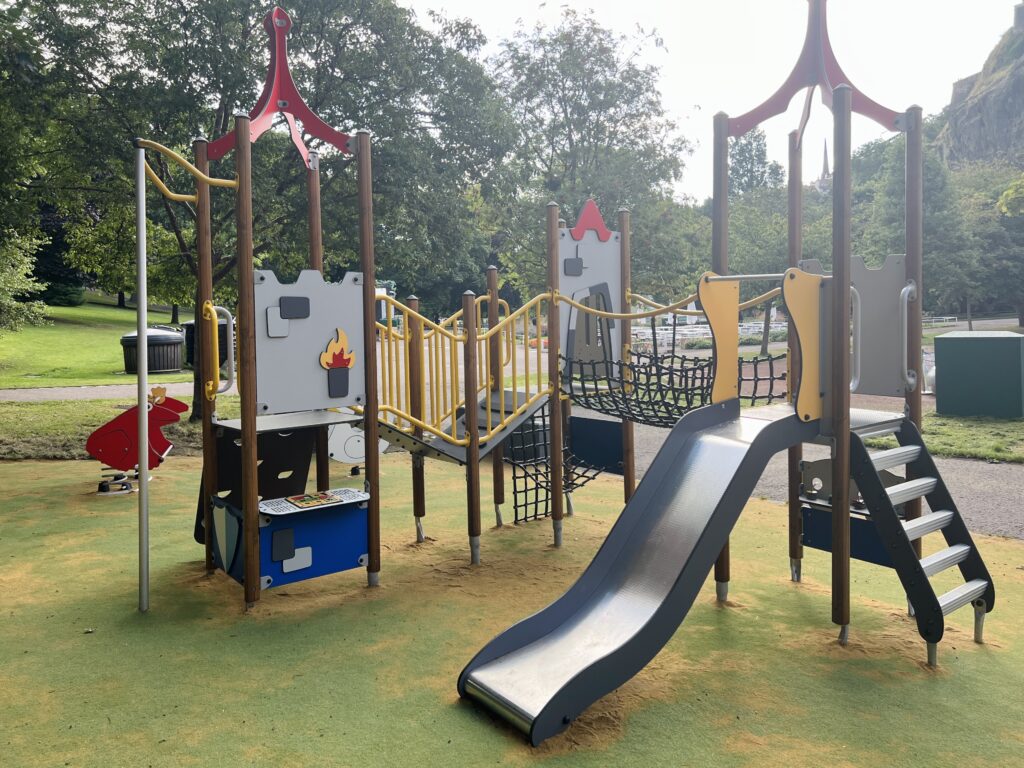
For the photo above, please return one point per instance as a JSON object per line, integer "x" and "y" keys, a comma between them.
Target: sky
{"x": 731, "y": 55}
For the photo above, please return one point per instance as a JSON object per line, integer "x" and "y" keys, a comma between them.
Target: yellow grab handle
{"x": 213, "y": 387}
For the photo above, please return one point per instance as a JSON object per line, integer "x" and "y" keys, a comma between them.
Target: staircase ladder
{"x": 898, "y": 535}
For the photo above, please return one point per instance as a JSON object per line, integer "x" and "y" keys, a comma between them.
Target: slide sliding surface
{"x": 544, "y": 671}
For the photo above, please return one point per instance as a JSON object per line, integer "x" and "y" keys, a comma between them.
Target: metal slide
{"x": 544, "y": 671}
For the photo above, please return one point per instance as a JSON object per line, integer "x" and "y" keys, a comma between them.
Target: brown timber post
{"x": 555, "y": 452}
{"x": 247, "y": 360}
{"x": 415, "y": 352}
{"x": 364, "y": 183}
{"x": 914, "y": 272}
{"x": 795, "y": 456}
{"x": 205, "y": 362}
{"x": 472, "y": 419}
{"x": 628, "y": 444}
{"x": 840, "y": 343}
{"x": 316, "y": 261}
{"x": 497, "y": 384}
{"x": 720, "y": 266}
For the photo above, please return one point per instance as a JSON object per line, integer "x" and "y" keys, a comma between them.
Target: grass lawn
{"x": 80, "y": 347}
{"x": 330, "y": 673}
{"x": 57, "y": 429}
{"x": 970, "y": 437}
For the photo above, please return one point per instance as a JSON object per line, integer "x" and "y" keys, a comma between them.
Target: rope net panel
{"x": 527, "y": 452}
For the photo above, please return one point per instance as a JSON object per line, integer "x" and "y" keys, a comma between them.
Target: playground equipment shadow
{"x": 327, "y": 672}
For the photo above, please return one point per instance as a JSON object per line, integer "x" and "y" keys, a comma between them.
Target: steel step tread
{"x": 922, "y": 526}
{"x": 911, "y": 489}
{"x": 945, "y": 558}
{"x": 895, "y": 457}
{"x": 960, "y": 596}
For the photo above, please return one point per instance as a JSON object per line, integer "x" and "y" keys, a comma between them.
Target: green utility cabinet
{"x": 980, "y": 374}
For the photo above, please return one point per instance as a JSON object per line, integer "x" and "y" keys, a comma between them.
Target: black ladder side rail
{"x": 955, "y": 532}
{"x": 927, "y": 611}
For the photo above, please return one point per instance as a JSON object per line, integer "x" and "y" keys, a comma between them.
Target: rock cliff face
{"x": 986, "y": 116}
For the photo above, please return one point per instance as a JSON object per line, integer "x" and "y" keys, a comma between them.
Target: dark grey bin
{"x": 190, "y": 341}
{"x": 165, "y": 348}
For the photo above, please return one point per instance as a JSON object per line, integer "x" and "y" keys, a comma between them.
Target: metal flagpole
{"x": 142, "y": 369}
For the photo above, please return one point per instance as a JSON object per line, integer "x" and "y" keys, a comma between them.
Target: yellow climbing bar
{"x": 721, "y": 302}
{"x": 175, "y": 196}
{"x": 196, "y": 173}
{"x": 801, "y": 294}
{"x": 178, "y": 197}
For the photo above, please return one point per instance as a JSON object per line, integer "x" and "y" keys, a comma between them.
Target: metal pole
{"x": 472, "y": 424}
{"x": 247, "y": 361}
{"x": 628, "y": 436}
{"x": 914, "y": 271}
{"x": 497, "y": 384}
{"x": 316, "y": 261}
{"x": 205, "y": 361}
{"x": 840, "y": 343}
{"x": 795, "y": 456}
{"x": 370, "y": 427}
{"x": 142, "y": 374}
{"x": 720, "y": 266}
{"x": 555, "y": 402}
{"x": 415, "y": 352}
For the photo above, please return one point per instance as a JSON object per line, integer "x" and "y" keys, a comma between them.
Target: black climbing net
{"x": 763, "y": 379}
{"x": 527, "y": 452}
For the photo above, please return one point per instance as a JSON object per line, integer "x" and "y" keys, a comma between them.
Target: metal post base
{"x": 933, "y": 655}
{"x": 722, "y": 591}
{"x": 568, "y": 505}
{"x": 979, "y": 621}
{"x": 557, "y": 526}
{"x": 420, "y": 538}
{"x": 794, "y": 568}
{"x": 497, "y": 516}
{"x": 474, "y": 550}
{"x": 373, "y": 578}
{"x": 844, "y": 634}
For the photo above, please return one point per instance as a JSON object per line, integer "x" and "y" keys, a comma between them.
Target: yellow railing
{"x": 513, "y": 371}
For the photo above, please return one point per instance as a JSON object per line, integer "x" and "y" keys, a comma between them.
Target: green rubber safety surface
{"x": 328, "y": 672}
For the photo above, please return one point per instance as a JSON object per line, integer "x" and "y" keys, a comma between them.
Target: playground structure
{"x": 314, "y": 354}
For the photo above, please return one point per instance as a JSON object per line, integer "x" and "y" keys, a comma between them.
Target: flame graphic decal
{"x": 336, "y": 356}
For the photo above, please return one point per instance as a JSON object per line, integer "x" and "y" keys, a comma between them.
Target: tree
{"x": 590, "y": 123}
{"x": 17, "y": 282}
{"x": 172, "y": 70}
{"x": 749, "y": 167}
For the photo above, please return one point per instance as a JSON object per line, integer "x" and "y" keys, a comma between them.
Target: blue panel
{"x": 597, "y": 442}
{"x": 336, "y": 537}
{"x": 865, "y": 543}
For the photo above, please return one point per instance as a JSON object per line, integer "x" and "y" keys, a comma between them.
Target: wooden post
{"x": 247, "y": 360}
{"x": 555, "y": 401}
{"x": 364, "y": 182}
{"x": 796, "y": 453}
{"x": 205, "y": 362}
{"x": 720, "y": 265}
{"x": 316, "y": 261}
{"x": 497, "y": 384}
{"x": 628, "y": 445}
{"x": 415, "y": 352}
{"x": 842, "y": 102}
{"x": 472, "y": 425}
{"x": 914, "y": 271}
